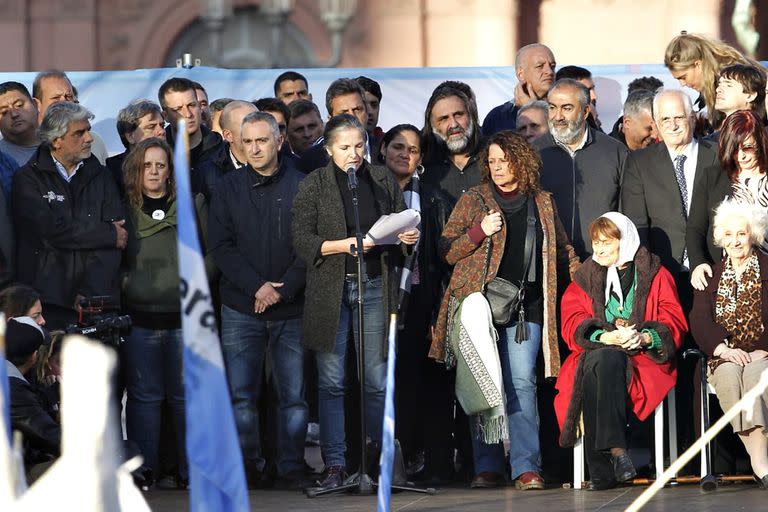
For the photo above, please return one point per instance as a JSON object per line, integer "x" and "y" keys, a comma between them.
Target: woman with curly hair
{"x": 696, "y": 61}
{"x": 492, "y": 218}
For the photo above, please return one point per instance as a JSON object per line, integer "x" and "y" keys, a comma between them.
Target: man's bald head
{"x": 231, "y": 121}
{"x": 535, "y": 69}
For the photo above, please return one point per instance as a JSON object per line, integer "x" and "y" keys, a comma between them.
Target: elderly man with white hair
{"x": 728, "y": 320}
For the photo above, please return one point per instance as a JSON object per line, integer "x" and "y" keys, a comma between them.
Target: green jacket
{"x": 151, "y": 268}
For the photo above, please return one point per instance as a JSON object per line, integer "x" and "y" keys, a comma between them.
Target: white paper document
{"x": 386, "y": 229}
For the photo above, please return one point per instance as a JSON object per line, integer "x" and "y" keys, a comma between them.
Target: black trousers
{"x": 605, "y": 408}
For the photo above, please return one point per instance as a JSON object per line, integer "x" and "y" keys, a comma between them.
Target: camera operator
{"x": 32, "y": 413}
{"x": 68, "y": 215}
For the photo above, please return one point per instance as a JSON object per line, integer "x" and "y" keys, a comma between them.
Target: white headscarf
{"x": 628, "y": 245}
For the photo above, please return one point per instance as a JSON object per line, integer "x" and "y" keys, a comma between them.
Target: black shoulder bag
{"x": 505, "y": 297}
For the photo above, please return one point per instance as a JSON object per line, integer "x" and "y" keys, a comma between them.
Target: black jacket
{"x": 115, "y": 166}
{"x": 584, "y": 186}
{"x": 711, "y": 188}
{"x": 66, "y": 243}
{"x": 313, "y": 158}
{"x": 650, "y": 197}
{"x": 210, "y": 147}
{"x": 33, "y": 416}
{"x": 249, "y": 231}
{"x": 435, "y": 273}
{"x": 212, "y": 170}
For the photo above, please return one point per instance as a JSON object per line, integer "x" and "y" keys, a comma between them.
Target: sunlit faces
{"x": 18, "y": 116}
{"x": 347, "y": 148}
{"x": 154, "y": 182}
{"x": 605, "y": 250}
{"x": 746, "y": 156}
{"x": 674, "y": 124}
{"x": 567, "y": 118}
{"x": 639, "y": 130}
{"x": 536, "y": 72}
{"x": 373, "y": 104}
{"x": 304, "y": 130}
{"x": 183, "y": 105}
{"x": 450, "y": 122}
{"x": 730, "y": 96}
{"x": 500, "y": 168}
{"x": 736, "y": 238}
{"x": 352, "y": 104}
{"x": 403, "y": 154}
{"x": 53, "y": 89}
{"x": 291, "y": 90}
{"x": 75, "y": 145}
{"x": 150, "y": 125}
{"x": 690, "y": 77}
{"x": 532, "y": 123}
{"x": 261, "y": 146}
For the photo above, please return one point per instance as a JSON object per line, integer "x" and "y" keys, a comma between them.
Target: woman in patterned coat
{"x": 729, "y": 318}
{"x": 495, "y": 213}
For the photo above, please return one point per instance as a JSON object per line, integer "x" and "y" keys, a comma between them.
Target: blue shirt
{"x": 8, "y": 168}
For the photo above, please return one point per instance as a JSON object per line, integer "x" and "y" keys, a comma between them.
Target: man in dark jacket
{"x": 262, "y": 296}
{"x": 581, "y": 166}
{"x": 178, "y": 100}
{"x": 32, "y": 412}
{"x": 451, "y": 136}
{"x": 231, "y": 154}
{"x": 69, "y": 217}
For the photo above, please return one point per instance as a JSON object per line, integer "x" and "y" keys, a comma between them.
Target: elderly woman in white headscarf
{"x": 728, "y": 321}
{"x": 623, "y": 322}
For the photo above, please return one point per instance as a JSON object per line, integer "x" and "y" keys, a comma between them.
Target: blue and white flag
{"x": 388, "y": 429}
{"x": 216, "y": 475}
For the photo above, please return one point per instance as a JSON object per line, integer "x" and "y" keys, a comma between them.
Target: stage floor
{"x": 683, "y": 498}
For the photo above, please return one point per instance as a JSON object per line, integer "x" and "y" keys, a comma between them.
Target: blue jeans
{"x": 152, "y": 367}
{"x": 518, "y": 368}
{"x": 244, "y": 342}
{"x": 331, "y": 366}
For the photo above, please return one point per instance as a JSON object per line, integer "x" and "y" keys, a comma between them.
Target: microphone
{"x": 351, "y": 178}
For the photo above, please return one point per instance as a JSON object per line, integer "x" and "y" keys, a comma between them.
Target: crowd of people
{"x": 601, "y": 255}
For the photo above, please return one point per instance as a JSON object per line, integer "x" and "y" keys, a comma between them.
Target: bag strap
{"x": 488, "y": 245}
{"x": 530, "y": 242}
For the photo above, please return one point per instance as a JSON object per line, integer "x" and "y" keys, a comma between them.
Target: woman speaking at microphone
{"x": 324, "y": 236}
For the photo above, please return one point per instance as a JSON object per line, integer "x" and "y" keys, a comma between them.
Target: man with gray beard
{"x": 581, "y": 166}
{"x": 451, "y": 141}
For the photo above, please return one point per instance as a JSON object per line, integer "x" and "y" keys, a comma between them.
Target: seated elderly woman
{"x": 623, "y": 323}
{"x": 728, "y": 321}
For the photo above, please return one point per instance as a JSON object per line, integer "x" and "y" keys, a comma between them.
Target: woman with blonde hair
{"x": 695, "y": 61}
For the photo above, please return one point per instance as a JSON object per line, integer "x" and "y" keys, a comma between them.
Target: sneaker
{"x": 528, "y": 481}
{"x": 487, "y": 480}
{"x": 332, "y": 477}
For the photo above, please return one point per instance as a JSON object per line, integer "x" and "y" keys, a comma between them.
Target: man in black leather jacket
{"x": 32, "y": 412}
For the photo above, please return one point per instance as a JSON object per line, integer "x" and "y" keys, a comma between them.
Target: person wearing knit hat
{"x": 31, "y": 412}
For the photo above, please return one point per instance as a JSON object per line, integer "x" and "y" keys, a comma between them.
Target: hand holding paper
{"x": 386, "y": 230}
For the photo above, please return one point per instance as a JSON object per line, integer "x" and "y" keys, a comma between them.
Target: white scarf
{"x": 628, "y": 245}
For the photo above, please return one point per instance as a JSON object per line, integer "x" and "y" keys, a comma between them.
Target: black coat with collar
{"x": 66, "y": 242}
{"x": 710, "y": 190}
{"x": 318, "y": 216}
{"x": 650, "y": 197}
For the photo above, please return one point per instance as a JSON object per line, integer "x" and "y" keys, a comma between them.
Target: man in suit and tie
{"x": 656, "y": 194}
{"x": 659, "y": 181}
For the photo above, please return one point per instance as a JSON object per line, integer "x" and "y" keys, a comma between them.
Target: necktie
{"x": 680, "y": 176}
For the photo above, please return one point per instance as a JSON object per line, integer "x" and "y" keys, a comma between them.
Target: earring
{"x": 419, "y": 169}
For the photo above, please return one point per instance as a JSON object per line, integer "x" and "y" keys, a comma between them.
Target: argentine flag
{"x": 388, "y": 430}
{"x": 216, "y": 476}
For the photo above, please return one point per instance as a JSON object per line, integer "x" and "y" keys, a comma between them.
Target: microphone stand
{"x": 361, "y": 482}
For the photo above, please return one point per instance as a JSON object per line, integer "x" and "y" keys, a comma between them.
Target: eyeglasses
{"x": 673, "y": 121}
{"x": 749, "y": 149}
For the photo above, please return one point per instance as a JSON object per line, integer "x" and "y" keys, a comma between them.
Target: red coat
{"x": 651, "y": 374}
